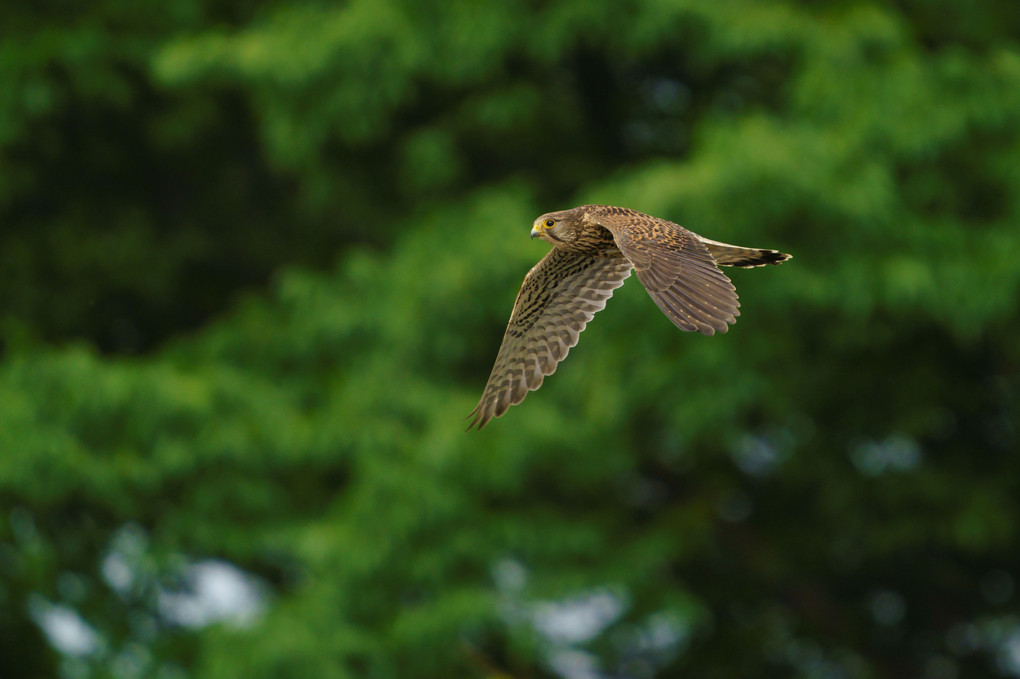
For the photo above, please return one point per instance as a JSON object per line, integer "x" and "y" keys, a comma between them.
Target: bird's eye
{"x": 550, "y": 222}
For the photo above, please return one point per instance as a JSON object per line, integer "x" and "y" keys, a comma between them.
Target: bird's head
{"x": 557, "y": 227}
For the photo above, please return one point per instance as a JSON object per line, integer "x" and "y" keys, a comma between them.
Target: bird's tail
{"x": 734, "y": 255}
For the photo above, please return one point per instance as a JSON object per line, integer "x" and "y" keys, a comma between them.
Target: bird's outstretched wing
{"x": 559, "y": 296}
{"x": 677, "y": 270}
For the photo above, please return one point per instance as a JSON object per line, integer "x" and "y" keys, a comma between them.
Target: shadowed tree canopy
{"x": 255, "y": 259}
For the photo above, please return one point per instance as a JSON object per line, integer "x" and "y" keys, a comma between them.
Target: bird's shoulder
{"x": 595, "y": 213}
{"x": 622, "y": 221}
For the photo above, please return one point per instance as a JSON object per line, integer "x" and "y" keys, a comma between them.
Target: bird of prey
{"x": 595, "y": 248}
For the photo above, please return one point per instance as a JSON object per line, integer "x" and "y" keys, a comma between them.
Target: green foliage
{"x": 256, "y": 264}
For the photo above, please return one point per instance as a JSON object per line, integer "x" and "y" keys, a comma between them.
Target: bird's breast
{"x": 595, "y": 240}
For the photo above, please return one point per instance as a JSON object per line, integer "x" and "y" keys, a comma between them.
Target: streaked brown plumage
{"x": 595, "y": 248}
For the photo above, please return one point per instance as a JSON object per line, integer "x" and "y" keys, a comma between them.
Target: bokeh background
{"x": 256, "y": 260}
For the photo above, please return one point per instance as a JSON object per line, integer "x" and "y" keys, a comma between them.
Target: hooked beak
{"x": 534, "y": 231}
{"x": 537, "y": 228}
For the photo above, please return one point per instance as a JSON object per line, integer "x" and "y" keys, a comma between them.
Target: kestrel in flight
{"x": 595, "y": 248}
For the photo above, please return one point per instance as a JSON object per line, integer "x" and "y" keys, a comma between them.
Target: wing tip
{"x": 722, "y": 328}
{"x": 478, "y": 419}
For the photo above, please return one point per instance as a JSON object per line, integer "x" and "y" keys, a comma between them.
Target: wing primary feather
{"x": 558, "y": 298}
{"x": 677, "y": 270}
